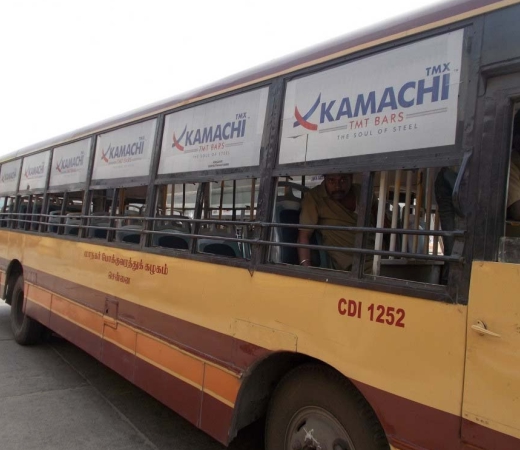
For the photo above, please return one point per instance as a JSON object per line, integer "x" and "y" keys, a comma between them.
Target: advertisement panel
{"x": 124, "y": 153}
{"x": 70, "y": 163}
{"x": 9, "y": 173}
{"x": 223, "y": 134}
{"x": 34, "y": 171}
{"x": 401, "y": 99}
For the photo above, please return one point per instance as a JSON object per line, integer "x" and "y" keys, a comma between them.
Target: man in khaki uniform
{"x": 334, "y": 202}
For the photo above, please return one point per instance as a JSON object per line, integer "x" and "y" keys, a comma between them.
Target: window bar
{"x": 206, "y": 207}
{"x": 184, "y": 197}
{"x": 4, "y": 210}
{"x": 172, "y": 198}
{"x": 121, "y": 206}
{"x": 222, "y": 184}
{"x": 380, "y": 220}
{"x": 428, "y": 212}
{"x": 164, "y": 198}
{"x": 395, "y": 209}
{"x": 436, "y": 227}
{"x": 408, "y": 199}
{"x": 418, "y": 207}
{"x": 113, "y": 211}
{"x": 234, "y": 214}
{"x": 28, "y": 219}
{"x": 63, "y": 213}
{"x": 252, "y": 211}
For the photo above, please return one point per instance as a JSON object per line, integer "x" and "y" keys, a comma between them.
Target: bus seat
{"x": 219, "y": 247}
{"x": 5, "y": 221}
{"x": 170, "y": 223}
{"x": 35, "y": 218}
{"x": 169, "y": 239}
{"x": 98, "y": 233}
{"x": 54, "y": 220}
{"x": 72, "y": 223}
{"x": 129, "y": 233}
{"x": 21, "y": 216}
{"x": 212, "y": 244}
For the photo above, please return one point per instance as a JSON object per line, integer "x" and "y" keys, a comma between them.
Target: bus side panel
{"x": 199, "y": 391}
{"x": 141, "y": 343}
{"x": 410, "y": 350}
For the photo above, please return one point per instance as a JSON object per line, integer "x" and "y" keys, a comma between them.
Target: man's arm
{"x": 304, "y": 254}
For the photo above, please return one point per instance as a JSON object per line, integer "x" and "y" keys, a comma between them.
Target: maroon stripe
{"x": 38, "y": 312}
{"x": 405, "y": 420}
{"x": 234, "y": 354}
{"x": 174, "y": 393}
{"x": 216, "y": 418}
{"x": 80, "y": 337}
{"x": 119, "y": 360}
{"x": 486, "y": 438}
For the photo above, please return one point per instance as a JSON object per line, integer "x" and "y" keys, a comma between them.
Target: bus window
{"x": 175, "y": 207}
{"x": 22, "y": 206}
{"x": 414, "y": 203}
{"x": 117, "y": 214}
{"x": 6, "y": 206}
{"x": 101, "y": 201}
{"x": 62, "y": 215}
{"x": 509, "y": 250}
{"x": 227, "y": 207}
{"x": 131, "y": 205}
{"x": 401, "y": 200}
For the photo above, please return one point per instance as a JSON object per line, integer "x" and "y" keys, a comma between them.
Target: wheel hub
{"x": 313, "y": 428}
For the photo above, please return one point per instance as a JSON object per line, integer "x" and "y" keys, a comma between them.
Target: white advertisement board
{"x": 222, "y": 134}
{"x": 401, "y": 99}
{"x": 70, "y": 163}
{"x": 124, "y": 153}
{"x": 9, "y": 173}
{"x": 34, "y": 171}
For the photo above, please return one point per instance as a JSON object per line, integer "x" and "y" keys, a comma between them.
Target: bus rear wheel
{"x": 26, "y": 331}
{"x": 314, "y": 408}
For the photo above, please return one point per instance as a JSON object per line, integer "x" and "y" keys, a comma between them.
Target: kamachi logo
{"x": 69, "y": 165}
{"x": 9, "y": 176}
{"x": 213, "y": 133}
{"x": 35, "y": 171}
{"x": 409, "y": 94}
{"x": 123, "y": 153}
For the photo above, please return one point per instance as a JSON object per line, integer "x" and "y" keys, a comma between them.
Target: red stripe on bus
{"x": 216, "y": 418}
{"x": 232, "y": 353}
{"x": 118, "y": 360}
{"x": 425, "y": 426}
{"x": 488, "y": 438}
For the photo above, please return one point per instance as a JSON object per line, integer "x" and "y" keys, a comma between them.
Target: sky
{"x": 67, "y": 64}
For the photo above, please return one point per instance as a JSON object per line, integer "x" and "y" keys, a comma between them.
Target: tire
{"x": 26, "y": 331}
{"x": 315, "y": 407}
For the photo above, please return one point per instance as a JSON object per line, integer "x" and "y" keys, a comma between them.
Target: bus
{"x": 167, "y": 242}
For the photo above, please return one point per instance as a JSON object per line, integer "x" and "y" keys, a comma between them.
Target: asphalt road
{"x": 54, "y": 396}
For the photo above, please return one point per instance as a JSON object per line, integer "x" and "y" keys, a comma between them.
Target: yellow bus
{"x": 187, "y": 245}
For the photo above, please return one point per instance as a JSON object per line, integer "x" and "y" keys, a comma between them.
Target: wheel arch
{"x": 259, "y": 382}
{"x": 14, "y": 270}
{"x": 261, "y": 379}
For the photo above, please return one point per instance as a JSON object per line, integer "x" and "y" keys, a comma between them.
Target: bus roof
{"x": 431, "y": 17}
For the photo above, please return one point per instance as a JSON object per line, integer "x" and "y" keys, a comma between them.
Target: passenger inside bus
{"x": 334, "y": 202}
